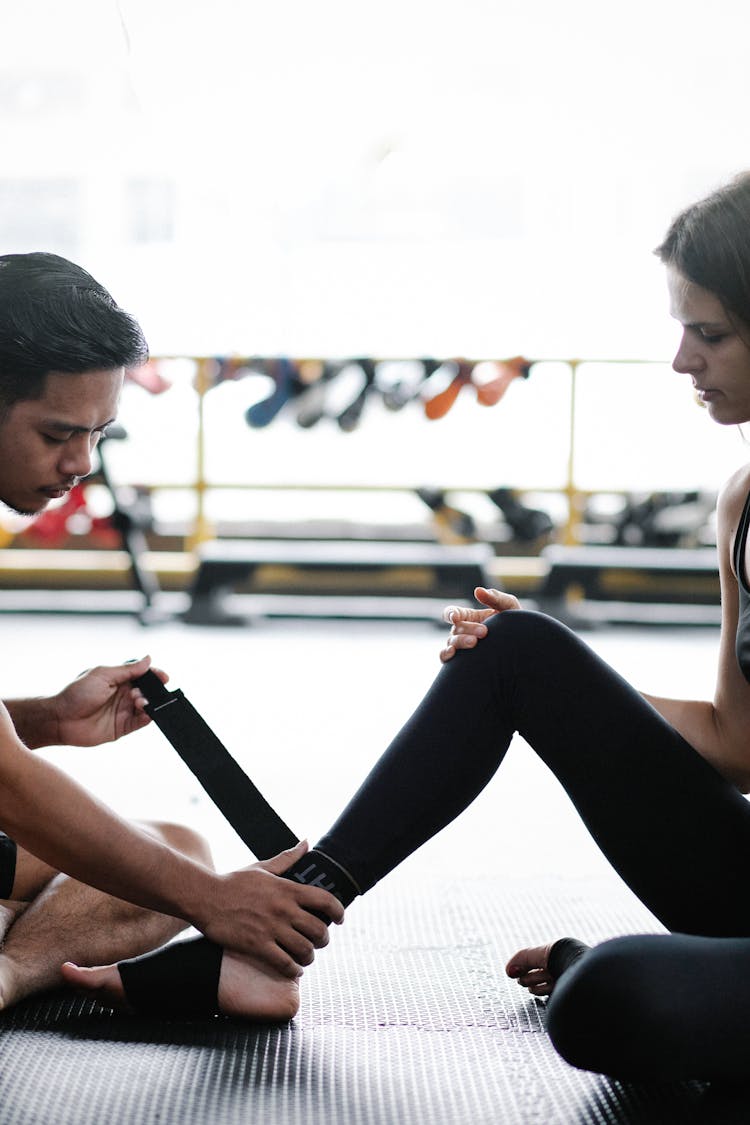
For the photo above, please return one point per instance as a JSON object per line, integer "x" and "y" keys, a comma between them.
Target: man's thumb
{"x": 280, "y": 863}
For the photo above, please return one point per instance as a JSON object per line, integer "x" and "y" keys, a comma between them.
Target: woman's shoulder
{"x": 734, "y": 493}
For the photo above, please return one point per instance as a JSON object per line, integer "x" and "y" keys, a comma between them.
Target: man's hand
{"x": 468, "y": 625}
{"x": 102, "y": 705}
{"x": 268, "y": 918}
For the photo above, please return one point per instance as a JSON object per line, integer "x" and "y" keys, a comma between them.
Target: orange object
{"x": 440, "y": 404}
{"x": 490, "y": 393}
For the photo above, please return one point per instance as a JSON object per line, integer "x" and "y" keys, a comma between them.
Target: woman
{"x": 644, "y": 773}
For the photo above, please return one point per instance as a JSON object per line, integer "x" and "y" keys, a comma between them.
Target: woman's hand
{"x": 468, "y": 625}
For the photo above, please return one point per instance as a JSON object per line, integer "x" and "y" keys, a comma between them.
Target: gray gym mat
{"x": 406, "y": 1017}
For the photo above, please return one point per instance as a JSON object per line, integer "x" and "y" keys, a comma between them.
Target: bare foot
{"x": 244, "y": 989}
{"x": 253, "y": 993}
{"x": 103, "y": 982}
{"x": 529, "y": 968}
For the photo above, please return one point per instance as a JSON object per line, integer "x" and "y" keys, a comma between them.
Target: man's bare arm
{"x": 99, "y": 706}
{"x": 252, "y": 911}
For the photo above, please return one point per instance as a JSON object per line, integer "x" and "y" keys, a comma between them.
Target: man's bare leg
{"x": 245, "y": 991}
{"x": 66, "y": 920}
{"x": 222, "y": 980}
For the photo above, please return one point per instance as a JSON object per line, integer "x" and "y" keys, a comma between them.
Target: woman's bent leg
{"x": 677, "y": 832}
{"x": 659, "y": 1007}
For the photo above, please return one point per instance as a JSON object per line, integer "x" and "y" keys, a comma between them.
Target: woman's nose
{"x": 688, "y": 358}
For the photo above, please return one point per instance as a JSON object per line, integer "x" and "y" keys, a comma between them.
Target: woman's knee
{"x": 182, "y": 838}
{"x": 526, "y": 639}
{"x": 526, "y": 624}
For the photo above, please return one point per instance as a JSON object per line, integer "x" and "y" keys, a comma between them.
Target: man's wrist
{"x": 36, "y": 721}
{"x": 198, "y": 896}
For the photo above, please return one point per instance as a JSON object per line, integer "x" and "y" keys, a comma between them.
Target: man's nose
{"x": 76, "y": 459}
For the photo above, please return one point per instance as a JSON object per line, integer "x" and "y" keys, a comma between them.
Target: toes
{"x": 529, "y": 968}
{"x": 542, "y": 987}
{"x": 537, "y": 982}
{"x": 104, "y": 982}
{"x": 532, "y": 978}
{"x": 73, "y": 973}
{"x": 91, "y": 980}
{"x": 528, "y": 960}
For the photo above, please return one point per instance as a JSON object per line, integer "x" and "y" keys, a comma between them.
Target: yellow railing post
{"x": 570, "y": 535}
{"x": 202, "y": 529}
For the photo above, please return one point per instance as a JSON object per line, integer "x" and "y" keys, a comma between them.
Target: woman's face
{"x": 711, "y": 351}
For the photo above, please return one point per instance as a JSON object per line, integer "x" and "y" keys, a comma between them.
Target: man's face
{"x": 46, "y": 443}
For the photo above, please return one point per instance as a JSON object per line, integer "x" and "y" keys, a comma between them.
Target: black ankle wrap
{"x": 315, "y": 869}
{"x": 179, "y": 980}
{"x": 182, "y": 979}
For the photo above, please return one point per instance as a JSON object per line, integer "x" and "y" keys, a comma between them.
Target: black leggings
{"x": 657, "y": 1007}
{"x": 667, "y": 1006}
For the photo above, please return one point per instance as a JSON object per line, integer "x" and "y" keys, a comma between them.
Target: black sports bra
{"x": 742, "y": 641}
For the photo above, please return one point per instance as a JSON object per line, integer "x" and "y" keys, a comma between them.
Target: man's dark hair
{"x": 54, "y": 316}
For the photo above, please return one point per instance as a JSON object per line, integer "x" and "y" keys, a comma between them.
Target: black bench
{"x": 645, "y": 575}
{"x": 332, "y": 569}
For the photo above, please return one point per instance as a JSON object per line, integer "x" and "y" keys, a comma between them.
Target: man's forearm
{"x": 35, "y": 721}
{"x": 57, "y": 820}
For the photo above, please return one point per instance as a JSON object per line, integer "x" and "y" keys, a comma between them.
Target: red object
{"x": 51, "y": 527}
{"x": 149, "y": 377}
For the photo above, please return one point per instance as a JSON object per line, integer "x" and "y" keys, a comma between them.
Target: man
{"x": 64, "y": 347}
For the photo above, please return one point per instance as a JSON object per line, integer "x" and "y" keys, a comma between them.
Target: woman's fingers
{"x": 496, "y": 600}
{"x": 461, "y": 639}
{"x": 468, "y": 625}
{"x": 463, "y": 615}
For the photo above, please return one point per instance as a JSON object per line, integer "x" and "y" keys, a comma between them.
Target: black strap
{"x": 228, "y": 786}
{"x": 180, "y": 979}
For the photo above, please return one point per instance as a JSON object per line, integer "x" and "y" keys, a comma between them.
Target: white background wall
{"x": 412, "y": 177}
{"x": 406, "y": 178}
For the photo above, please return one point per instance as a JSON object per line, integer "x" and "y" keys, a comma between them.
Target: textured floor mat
{"x": 406, "y": 1017}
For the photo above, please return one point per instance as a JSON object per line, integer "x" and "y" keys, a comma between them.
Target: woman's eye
{"x": 713, "y": 338}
